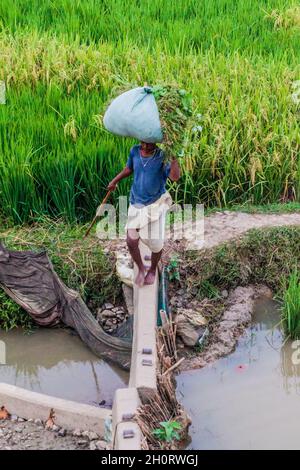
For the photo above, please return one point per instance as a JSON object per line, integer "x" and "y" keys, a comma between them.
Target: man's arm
{"x": 174, "y": 174}
{"x": 123, "y": 174}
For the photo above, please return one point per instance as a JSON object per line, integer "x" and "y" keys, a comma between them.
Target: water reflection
{"x": 248, "y": 400}
{"x": 56, "y": 362}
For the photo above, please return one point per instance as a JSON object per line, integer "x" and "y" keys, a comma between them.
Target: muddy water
{"x": 250, "y": 399}
{"x": 56, "y": 362}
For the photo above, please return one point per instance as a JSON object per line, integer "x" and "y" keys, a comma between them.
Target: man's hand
{"x": 174, "y": 174}
{"x": 112, "y": 186}
{"x": 114, "y": 183}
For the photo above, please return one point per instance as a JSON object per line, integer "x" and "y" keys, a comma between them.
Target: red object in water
{"x": 241, "y": 368}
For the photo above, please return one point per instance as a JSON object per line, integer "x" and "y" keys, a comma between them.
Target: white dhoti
{"x": 150, "y": 221}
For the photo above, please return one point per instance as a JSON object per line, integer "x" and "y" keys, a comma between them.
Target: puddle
{"x": 56, "y": 362}
{"x": 250, "y": 399}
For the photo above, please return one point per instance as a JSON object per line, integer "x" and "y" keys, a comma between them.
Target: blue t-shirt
{"x": 149, "y": 176}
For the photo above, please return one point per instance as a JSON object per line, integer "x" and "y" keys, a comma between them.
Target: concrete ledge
{"x": 69, "y": 414}
{"x": 126, "y": 402}
{"x": 131, "y": 443}
{"x": 143, "y": 366}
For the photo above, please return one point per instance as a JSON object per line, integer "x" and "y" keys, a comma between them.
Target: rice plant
{"x": 61, "y": 59}
{"x": 291, "y": 306}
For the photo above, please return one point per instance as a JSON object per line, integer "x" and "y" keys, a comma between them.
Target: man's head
{"x": 148, "y": 147}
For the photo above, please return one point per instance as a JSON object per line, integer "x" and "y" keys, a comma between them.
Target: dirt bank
{"x": 19, "y": 434}
{"x": 225, "y": 332}
{"x": 222, "y": 227}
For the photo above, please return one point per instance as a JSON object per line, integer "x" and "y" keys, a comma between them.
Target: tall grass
{"x": 60, "y": 59}
{"x": 227, "y": 25}
{"x": 291, "y": 305}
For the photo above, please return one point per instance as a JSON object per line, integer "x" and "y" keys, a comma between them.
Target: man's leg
{"x": 150, "y": 277}
{"x": 133, "y": 247}
{"x": 155, "y": 243}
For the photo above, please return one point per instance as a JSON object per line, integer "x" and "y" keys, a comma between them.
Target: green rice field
{"x": 61, "y": 59}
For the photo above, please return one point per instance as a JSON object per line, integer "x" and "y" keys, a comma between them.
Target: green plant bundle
{"x": 175, "y": 107}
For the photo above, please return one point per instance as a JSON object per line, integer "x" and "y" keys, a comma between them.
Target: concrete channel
{"x": 142, "y": 380}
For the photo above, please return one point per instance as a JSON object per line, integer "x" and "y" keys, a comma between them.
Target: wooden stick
{"x": 173, "y": 366}
{"x": 96, "y": 216}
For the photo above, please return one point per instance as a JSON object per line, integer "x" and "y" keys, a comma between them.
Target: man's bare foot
{"x": 139, "y": 280}
{"x": 150, "y": 277}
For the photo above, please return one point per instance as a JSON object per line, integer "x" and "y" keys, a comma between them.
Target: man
{"x": 149, "y": 202}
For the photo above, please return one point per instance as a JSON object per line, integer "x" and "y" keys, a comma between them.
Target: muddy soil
{"x": 227, "y": 329}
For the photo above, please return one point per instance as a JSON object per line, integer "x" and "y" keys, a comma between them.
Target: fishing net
{"x": 29, "y": 279}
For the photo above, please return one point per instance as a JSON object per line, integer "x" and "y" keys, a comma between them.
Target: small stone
{"x": 224, "y": 293}
{"x": 93, "y": 446}
{"x": 82, "y": 442}
{"x": 107, "y": 314}
{"x": 179, "y": 343}
{"x": 55, "y": 428}
{"x": 7, "y": 448}
{"x": 18, "y": 429}
{"x": 14, "y": 418}
{"x": 62, "y": 432}
{"x": 21, "y": 420}
{"x": 108, "y": 306}
{"x": 38, "y": 422}
{"x": 77, "y": 433}
{"x": 30, "y": 420}
{"x": 91, "y": 435}
{"x": 100, "y": 445}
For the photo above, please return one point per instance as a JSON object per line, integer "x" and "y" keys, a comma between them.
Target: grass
{"x": 80, "y": 263}
{"x": 186, "y": 24}
{"x": 275, "y": 208}
{"x": 267, "y": 256}
{"x": 291, "y": 306}
{"x": 61, "y": 59}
